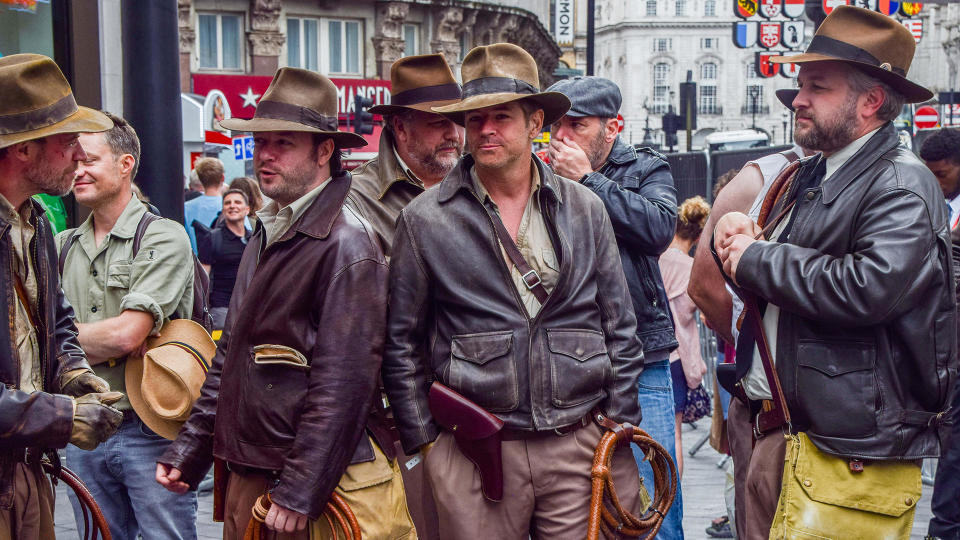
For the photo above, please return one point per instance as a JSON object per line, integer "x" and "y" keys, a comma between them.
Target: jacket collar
{"x": 389, "y": 170}
{"x": 884, "y": 140}
{"x": 318, "y": 219}
{"x": 459, "y": 179}
{"x": 621, "y": 152}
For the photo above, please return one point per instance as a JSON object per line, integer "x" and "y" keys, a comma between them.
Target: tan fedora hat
{"x": 163, "y": 385}
{"x": 876, "y": 44}
{"x": 501, "y": 73}
{"x": 420, "y": 82}
{"x": 37, "y": 102}
{"x": 298, "y": 100}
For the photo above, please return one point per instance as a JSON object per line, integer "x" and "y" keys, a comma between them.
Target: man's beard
{"x": 596, "y": 151}
{"x": 432, "y": 160}
{"x": 295, "y": 183}
{"x": 48, "y": 180}
{"x": 830, "y": 134}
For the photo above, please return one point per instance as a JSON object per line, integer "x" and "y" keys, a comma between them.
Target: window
{"x": 325, "y": 45}
{"x": 708, "y": 72}
{"x": 710, "y": 8}
{"x": 681, "y": 8}
{"x": 651, "y": 7}
{"x": 661, "y": 88}
{"x": 411, "y": 40}
{"x": 219, "y": 41}
{"x": 752, "y": 71}
{"x": 662, "y": 44}
{"x": 708, "y": 89}
{"x": 709, "y": 43}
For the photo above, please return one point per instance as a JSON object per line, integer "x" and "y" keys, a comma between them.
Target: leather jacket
{"x": 320, "y": 289}
{"x": 38, "y": 420}
{"x": 867, "y": 337}
{"x": 637, "y": 189}
{"x": 455, "y": 314}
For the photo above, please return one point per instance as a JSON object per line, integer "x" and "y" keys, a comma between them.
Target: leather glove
{"x": 94, "y": 420}
{"x": 78, "y": 382}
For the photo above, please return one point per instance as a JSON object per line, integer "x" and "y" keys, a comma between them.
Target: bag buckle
{"x": 856, "y": 465}
{"x": 536, "y": 277}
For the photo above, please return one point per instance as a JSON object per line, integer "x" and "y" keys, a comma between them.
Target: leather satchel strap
{"x": 528, "y": 274}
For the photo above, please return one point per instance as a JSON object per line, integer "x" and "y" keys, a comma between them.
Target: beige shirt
{"x": 277, "y": 221}
{"x": 533, "y": 240}
{"x": 27, "y": 343}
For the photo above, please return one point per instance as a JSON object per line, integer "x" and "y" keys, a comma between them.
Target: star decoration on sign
{"x": 250, "y": 99}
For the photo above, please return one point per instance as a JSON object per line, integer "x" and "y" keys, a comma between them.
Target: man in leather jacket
{"x": 636, "y": 188}
{"x": 48, "y": 396}
{"x": 540, "y": 353}
{"x": 856, "y": 276}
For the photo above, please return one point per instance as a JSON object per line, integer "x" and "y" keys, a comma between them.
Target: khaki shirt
{"x": 533, "y": 239}
{"x": 27, "y": 343}
{"x": 103, "y": 281}
{"x": 277, "y": 221}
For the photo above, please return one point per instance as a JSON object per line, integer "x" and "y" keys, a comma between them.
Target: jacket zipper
{"x": 41, "y": 286}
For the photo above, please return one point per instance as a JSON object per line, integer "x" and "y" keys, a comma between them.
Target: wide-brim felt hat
{"x": 298, "y": 100}
{"x": 876, "y": 44}
{"x": 503, "y": 73}
{"x": 163, "y": 385}
{"x": 36, "y": 101}
{"x": 786, "y": 96}
{"x": 420, "y": 83}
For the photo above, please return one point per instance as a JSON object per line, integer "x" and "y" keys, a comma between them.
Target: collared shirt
{"x": 533, "y": 240}
{"x": 277, "y": 221}
{"x": 103, "y": 281}
{"x": 954, "y": 206}
{"x": 27, "y": 343}
{"x": 755, "y": 383}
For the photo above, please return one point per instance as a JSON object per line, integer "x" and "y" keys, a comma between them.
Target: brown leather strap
{"x": 529, "y": 275}
{"x": 62, "y": 260}
{"x": 94, "y": 523}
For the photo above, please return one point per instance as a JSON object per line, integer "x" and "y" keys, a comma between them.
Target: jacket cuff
{"x": 594, "y": 181}
{"x": 62, "y": 422}
{"x": 747, "y": 276}
{"x": 192, "y": 470}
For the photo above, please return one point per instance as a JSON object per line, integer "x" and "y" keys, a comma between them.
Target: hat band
{"x": 845, "y": 51}
{"x": 38, "y": 118}
{"x": 193, "y": 352}
{"x": 423, "y": 94}
{"x": 497, "y": 85}
{"x": 295, "y": 113}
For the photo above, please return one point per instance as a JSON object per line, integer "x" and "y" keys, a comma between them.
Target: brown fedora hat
{"x": 298, "y": 100}
{"x": 873, "y": 42}
{"x": 37, "y": 102}
{"x": 501, "y": 73}
{"x": 163, "y": 385}
{"x": 420, "y": 82}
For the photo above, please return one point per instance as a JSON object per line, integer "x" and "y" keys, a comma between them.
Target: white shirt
{"x": 954, "y": 205}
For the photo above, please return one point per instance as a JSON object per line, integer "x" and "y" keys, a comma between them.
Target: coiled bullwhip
{"x": 606, "y": 512}
{"x": 338, "y": 514}
{"x": 94, "y": 524}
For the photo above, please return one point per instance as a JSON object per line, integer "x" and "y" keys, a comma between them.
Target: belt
{"x": 510, "y": 434}
{"x": 245, "y": 470}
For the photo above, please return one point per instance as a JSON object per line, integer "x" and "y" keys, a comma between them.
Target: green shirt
{"x": 103, "y": 281}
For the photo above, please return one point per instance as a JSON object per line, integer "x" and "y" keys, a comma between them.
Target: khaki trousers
{"x": 546, "y": 488}
{"x": 758, "y": 473}
{"x": 31, "y": 517}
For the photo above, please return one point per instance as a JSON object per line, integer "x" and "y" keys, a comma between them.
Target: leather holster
{"x": 477, "y": 433}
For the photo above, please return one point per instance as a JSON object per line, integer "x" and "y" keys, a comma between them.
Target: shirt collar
{"x": 835, "y": 161}
{"x": 482, "y": 193}
{"x": 10, "y": 214}
{"x": 293, "y": 211}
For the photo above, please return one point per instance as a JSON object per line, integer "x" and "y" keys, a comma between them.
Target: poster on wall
{"x": 21, "y": 5}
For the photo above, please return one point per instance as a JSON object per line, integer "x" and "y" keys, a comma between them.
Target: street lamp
{"x": 754, "y": 92}
{"x": 785, "y": 116}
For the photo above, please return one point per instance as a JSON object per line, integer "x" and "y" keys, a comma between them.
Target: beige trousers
{"x": 546, "y": 488}
{"x": 31, "y": 517}
{"x": 758, "y": 473}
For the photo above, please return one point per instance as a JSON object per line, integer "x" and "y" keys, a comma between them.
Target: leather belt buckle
{"x": 563, "y": 431}
{"x": 757, "y": 434}
{"x": 527, "y": 282}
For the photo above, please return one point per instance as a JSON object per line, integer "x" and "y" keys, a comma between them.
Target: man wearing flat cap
{"x": 853, "y": 282}
{"x": 295, "y": 374}
{"x": 506, "y": 286}
{"x": 637, "y": 190}
{"x": 49, "y": 395}
{"x": 418, "y": 147}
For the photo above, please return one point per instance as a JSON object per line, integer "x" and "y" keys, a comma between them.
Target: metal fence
{"x": 695, "y": 173}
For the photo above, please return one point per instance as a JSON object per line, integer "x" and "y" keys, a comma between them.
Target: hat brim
{"x": 85, "y": 120}
{"x": 426, "y": 106}
{"x": 554, "y": 105}
{"x": 343, "y": 139}
{"x": 786, "y": 96}
{"x": 913, "y": 92}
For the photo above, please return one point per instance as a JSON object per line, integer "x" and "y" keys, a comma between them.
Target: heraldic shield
{"x": 745, "y": 34}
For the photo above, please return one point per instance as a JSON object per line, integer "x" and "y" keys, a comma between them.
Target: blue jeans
{"x": 120, "y": 474}
{"x": 659, "y": 421}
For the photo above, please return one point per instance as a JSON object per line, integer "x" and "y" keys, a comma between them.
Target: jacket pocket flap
{"x": 834, "y": 359}
{"x": 580, "y": 345}
{"x": 883, "y": 487}
{"x": 481, "y": 348}
{"x": 367, "y": 474}
{"x": 279, "y": 355}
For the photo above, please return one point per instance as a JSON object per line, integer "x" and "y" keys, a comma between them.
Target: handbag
{"x": 698, "y": 404}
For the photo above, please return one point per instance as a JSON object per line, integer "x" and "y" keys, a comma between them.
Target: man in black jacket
{"x": 637, "y": 190}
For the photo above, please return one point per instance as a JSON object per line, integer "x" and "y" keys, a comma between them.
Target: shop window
{"x": 325, "y": 45}
{"x": 411, "y": 40}
{"x": 26, "y": 30}
{"x": 219, "y": 41}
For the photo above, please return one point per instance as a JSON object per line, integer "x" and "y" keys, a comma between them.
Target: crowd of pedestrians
{"x": 434, "y": 344}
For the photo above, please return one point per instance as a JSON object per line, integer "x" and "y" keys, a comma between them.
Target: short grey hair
{"x": 893, "y": 101}
{"x": 122, "y": 139}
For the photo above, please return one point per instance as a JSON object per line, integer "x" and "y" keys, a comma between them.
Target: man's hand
{"x": 731, "y": 252}
{"x": 82, "y": 381}
{"x": 169, "y": 477}
{"x": 94, "y": 420}
{"x": 568, "y": 159}
{"x": 731, "y": 224}
{"x": 282, "y": 520}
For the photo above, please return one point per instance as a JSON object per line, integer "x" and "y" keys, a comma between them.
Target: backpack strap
{"x": 62, "y": 260}
{"x": 145, "y": 222}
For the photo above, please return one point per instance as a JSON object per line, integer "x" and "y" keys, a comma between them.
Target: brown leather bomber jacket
{"x": 320, "y": 289}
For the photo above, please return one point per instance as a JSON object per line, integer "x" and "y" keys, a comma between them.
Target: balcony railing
{"x": 758, "y": 109}
{"x": 710, "y": 109}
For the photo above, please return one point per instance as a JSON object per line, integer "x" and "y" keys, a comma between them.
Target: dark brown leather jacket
{"x": 455, "y": 314}
{"x": 40, "y": 419}
{"x": 320, "y": 289}
{"x": 867, "y": 337}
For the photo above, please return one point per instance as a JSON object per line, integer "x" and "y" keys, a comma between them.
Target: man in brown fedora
{"x": 48, "y": 396}
{"x": 853, "y": 272}
{"x": 540, "y": 347}
{"x": 287, "y": 401}
{"x": 418, "y": 147}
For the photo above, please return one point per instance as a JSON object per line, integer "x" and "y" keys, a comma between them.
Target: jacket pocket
{"x": 579, "y": 366}
{"x": 273, "y": 396}
{"x": 837, "y": 387}
{"x": 483, "y": 367}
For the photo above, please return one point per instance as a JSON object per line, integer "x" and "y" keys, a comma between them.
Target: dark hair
{"x": 942, "y": 144}
{"x": 249, "y": 188}
{"x": 336, "y": 159}
{"x": 122, "y": 140}
{"x": 236, "y": 192}
{"x": 724, "y": 179}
